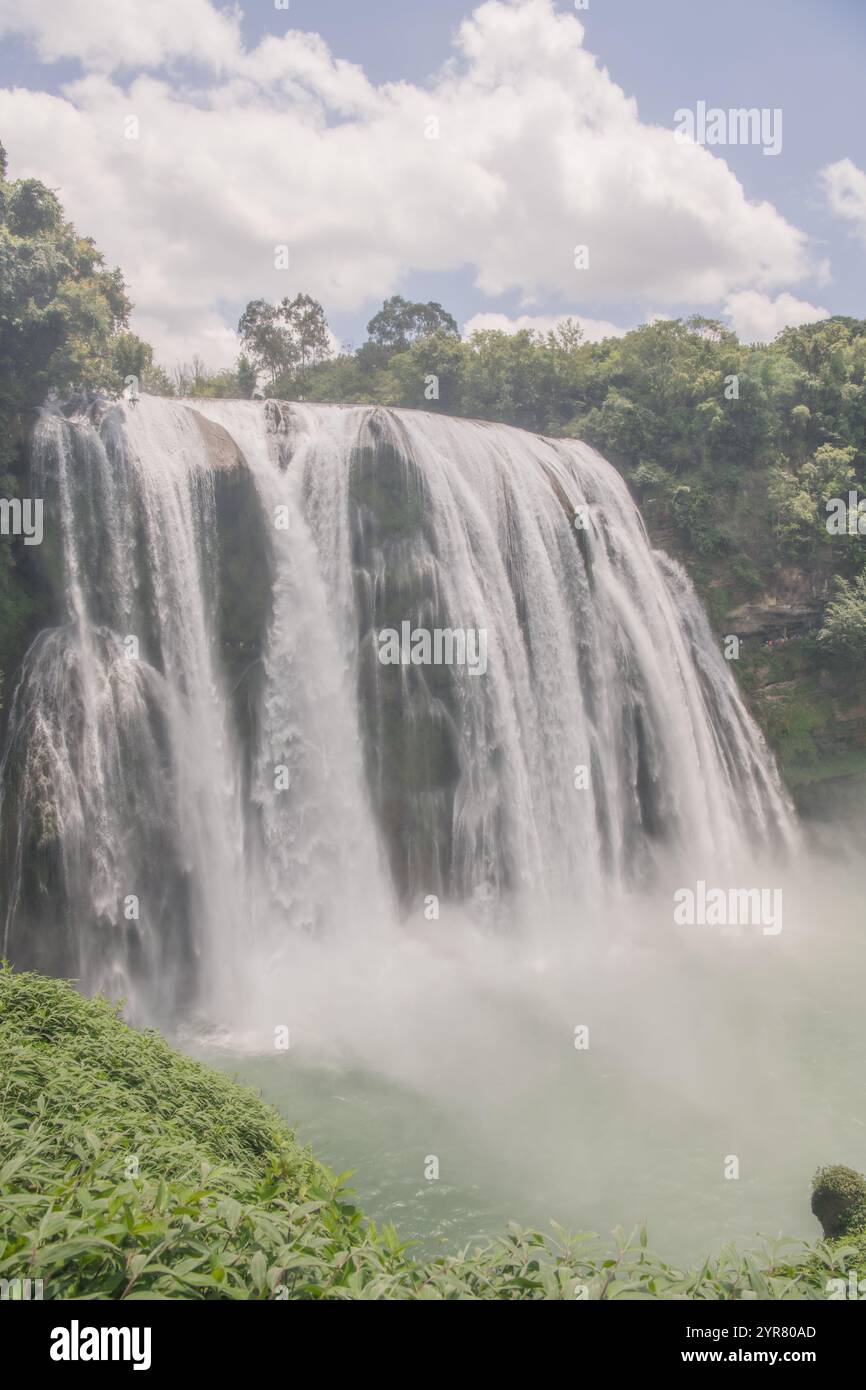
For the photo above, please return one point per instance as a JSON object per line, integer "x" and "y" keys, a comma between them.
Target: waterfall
{"x": 208, "y": 759}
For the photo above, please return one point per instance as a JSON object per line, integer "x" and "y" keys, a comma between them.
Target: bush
{"x": 844, "y": 630}
{"x": 839, "y": 1201}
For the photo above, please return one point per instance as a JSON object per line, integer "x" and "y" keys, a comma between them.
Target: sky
{"x": 519, "y": 161}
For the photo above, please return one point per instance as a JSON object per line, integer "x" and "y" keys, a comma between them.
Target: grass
{"x": 128, "y": 1171}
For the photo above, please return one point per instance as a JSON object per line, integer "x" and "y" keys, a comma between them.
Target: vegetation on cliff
{"x": 128, "y": 1171}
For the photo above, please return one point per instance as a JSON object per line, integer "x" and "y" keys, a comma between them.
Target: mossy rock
{"x": 839, "y": 1201}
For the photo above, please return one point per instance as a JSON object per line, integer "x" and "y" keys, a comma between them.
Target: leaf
{"x": 259, "y": 1270}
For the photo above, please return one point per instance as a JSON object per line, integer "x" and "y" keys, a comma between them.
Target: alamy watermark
{"x": 21, "y": 1290}
{"x": 729, "y": 907}
{"x": 22, "y": 516}
{"x": 77, "y": 1343}
{"x": 439, "y": 646}
{"x": 853, "y": 1287}
{"x": 846, "y": 518}
{"x": 738, "y": 126}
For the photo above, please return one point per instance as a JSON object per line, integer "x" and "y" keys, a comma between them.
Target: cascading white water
{"x": 367, "y": 786}
{"x": 118, "y": 747}
{"x": 318, "y": 863}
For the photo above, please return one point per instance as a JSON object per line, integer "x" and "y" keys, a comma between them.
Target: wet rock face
{"x": 222, "y": 451}
{"x": 242, "y": 573}
{"x": 789, "y": 613}
{"x": 244, "y": 582}
{"x": 839, "y": 1201}
{"x": 408, "y": 713}
{"x": 243, "y": 579}
{"x": 243, "y": 569}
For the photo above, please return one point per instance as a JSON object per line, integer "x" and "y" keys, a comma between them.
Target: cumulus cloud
{"x": 845, "y": 187}
{"x": 757, "y": 318}
{"x": 594, "y": 330}
{"x": 123, "y": 33}
{"x": 535, "y": 151}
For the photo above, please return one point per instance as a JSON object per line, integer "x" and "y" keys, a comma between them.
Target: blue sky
{"x": 806, "y": 59}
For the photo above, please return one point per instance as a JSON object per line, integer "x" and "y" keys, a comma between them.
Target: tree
{"x": 32, "y": 209}
{"x": 61, "y": 309}
{"x": 399, "y": 323}
{"x": 266, "y": 338}
{"x": 844, "y": 630}
{"x": 799, "y": 495}
{"x": 282, "y": 338}
{"x": 247, "y": 377}
{"x": 511, "y": 374}
{"x": 429, "y": 374}
{"x": 131, "y": 356}
{"x": 306, "y": 322}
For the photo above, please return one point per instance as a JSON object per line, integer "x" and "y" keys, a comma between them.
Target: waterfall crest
{"x": 208, "y": 755}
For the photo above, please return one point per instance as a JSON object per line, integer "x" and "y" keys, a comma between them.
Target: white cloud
{"x": 594, "y": 330}
{"x": 538, "y": 151}
{"x": 845, "y": 187}
{"x": 757, "y": 318}
{"x": 123, "y": 33}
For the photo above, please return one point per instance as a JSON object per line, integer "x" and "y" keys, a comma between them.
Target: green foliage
{"x": 132, "y": 357}
{"x": 128, "y": 1171}
{"x": 285, "y": 339}
{"x": 245, "y": 375}
{"x": 844, "y": 630}
{"x": 32, "y": 209}
{"x": 194, "y": 379}
{"x": 84, "y": 1102}
{"x": 60, "y": 308}
{"x": 266, "y": 338}
{"x": 839, "y": 1201}
{"x": 799, "y": 494}
{"x": 433, "y": 364}
{"x": 306, "y": 321}
{"x": 399, "y": 323}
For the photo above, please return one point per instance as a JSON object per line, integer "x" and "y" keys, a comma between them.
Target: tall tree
{"x": 283, "y": 338}
{"x": 245, "y": 373}
{"x": 61, "y": 310}
{"x": 267, "y": 339}
{"x": 306, "y": 322}
{"x": 399, "y": 323}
